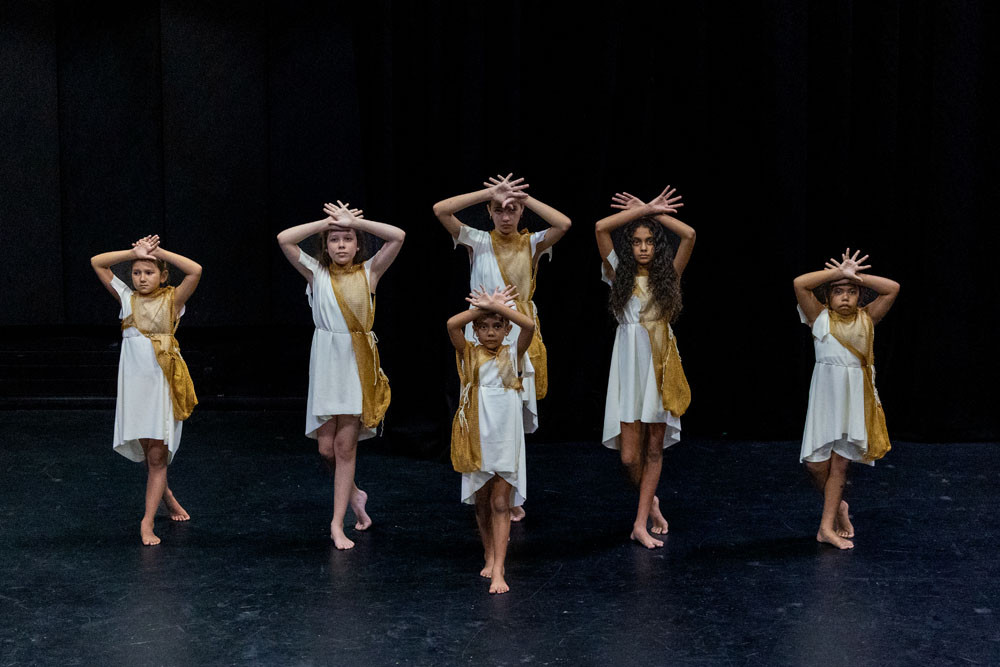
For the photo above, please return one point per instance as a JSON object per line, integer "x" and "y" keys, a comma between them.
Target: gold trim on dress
{"x": 857, "y": 332}
{"x": 518, "y": 268}
{"x": 466, "y": 453}
{"x": 357, "y": 305}
{"x": 675, "y": 392}
{"x": 155, "y": 317}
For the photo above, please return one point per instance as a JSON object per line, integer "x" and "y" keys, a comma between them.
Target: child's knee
{"x": 326, "y": 450}
{"x": 500, "y": 504}
{"x": 345, "y": 448}
{"x": 654, "y": 451}
{"x": 156, "y": 457}
{"x": 630, "y": 457}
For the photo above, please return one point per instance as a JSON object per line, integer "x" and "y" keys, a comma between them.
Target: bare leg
{"x": 500, "y": 502}
{"x": 485, "y": 522}
{"x": 177, "y": 513}
{"x": 820, "y": 473}
{"x": 833, "y": 492}
{"x": 338, "y": 440}
{"x": 660, "y": 525}
{"x": 345, "y": 448}
{"x": 156, "y": 484}
{"x": 652, "y": 464}
{"x": 630, "y": 451}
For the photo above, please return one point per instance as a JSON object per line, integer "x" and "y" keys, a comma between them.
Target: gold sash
{"x": 153, "y": 315}
{"x": 675, "y": 393}
{"x": 466, "y": 454}
{"x": 350, "y": 286}
{"x": 855, "y": 334}
{"x": 518, "y": 268}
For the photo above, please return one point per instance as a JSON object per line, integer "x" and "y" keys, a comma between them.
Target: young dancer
{"x": 348, "y": 392}
{"x": 647, "y": 390}
{"x": 844, "y": 421}
{"x": 496, "y": 409}
{"x": 507, "y": 256}
{"x": 155, "y": 392}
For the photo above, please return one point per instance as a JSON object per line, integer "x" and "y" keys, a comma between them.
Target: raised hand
{"x": 666, "y": 202}
{"x": 484, "y": 300}
{"x": 146, "y": 246}
{"x": 850, "y": 265}
{"x": 625, "y": 201}
{"x": 505, "y": 191}
{"x": 341, "y": 215}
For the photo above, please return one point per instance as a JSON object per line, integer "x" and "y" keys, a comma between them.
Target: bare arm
{"x": 668, "y": 199}
{"x": 887, "y": 289}
{"x": 290, "y": 238}
{"x": 190, "y": 269}
{"x": 446, "y": 209}
{"x": 393, "y": 237}
{"x": 558, "y": 223}
{"x": 494, "y": 302}
{"x": 501, "y": 189}
{"x": 102, "y": 267}
{"x": 804, "y": 286}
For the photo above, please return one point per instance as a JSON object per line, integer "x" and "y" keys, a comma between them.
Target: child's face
{"x": 342, "y": 245}
{"x": 844, "y": 299}
{"x": 505, "y": 218}
{"x": 491, "y": 330}
{"x": 643, "y": 246}
{"x": 146, "y": 276}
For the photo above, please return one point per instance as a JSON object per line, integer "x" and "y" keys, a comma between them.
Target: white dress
{"x": 505, "y": 415}
{"x": 835, "y": 420}
{"x": 334, "y": 385}
{"x": 144, "y": 408}
{"x": 633, "y": 394}
{"x": 485, "y": 271}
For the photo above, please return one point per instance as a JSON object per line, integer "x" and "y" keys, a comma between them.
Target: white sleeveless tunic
{"x": 505, "y": 415}
{"x": 143, "y": 408}
{"x": 334, "y": 385}
{"x": 835, "y": 419}
{"x": 633, "y": 394}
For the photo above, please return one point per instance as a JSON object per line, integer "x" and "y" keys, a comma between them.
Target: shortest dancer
{"x": 494, "y": 412}
{"x": 844, "y": 421}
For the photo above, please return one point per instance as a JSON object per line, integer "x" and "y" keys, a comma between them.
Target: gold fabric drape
{"x": 675, "y": 393}
{"x": 350, "y": 286}
{"x": 153, "y": 315}
{"x": 466, "y": 454}
{"x": 518, "y": 268}
{"x": 857, "y": 334}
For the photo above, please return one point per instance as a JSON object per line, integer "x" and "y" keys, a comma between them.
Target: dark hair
{"x": 488, "y": 314}
{"x": 664, "y": 282}
{"x": 158, "y": 263}
{"x": 865, "y": 294}
{"x": 360, "y": 256}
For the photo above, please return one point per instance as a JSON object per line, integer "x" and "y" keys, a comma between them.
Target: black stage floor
{"x": 254, "y": 579}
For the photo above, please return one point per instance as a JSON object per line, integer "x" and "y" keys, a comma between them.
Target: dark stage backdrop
{"x": 792, "y": 130}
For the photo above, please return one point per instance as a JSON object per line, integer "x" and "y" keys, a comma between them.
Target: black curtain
{"x": 792, "y": 129}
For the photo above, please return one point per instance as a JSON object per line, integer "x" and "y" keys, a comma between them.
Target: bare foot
{"x": 177, "y": 513}
{"x": 516, "y": 513}
{"x": 660, "y": 525}
{"x": 843, "y": 525}
{"x": 640, "y": 535}
{"x": 149, "y": 538}
{"x": 358, "y": 500}
{"x": 339, "y": 539}
{"x": 498, "y": 584}
{"x": 830, "y": 537}
{"x": 487, "y": 570}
